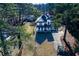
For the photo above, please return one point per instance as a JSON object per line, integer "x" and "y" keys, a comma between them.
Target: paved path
{"x": 57, "y": 39}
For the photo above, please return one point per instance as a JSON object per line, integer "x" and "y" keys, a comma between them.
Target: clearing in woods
{"x": 44, "y": 49}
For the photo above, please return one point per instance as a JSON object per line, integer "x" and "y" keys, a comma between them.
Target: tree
{"x": 15, "y": 12}
{"x": 67, "y": 14}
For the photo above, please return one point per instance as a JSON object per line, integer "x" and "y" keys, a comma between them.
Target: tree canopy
{"x": 15, "y": 11}
{"x": 67, "y": 13}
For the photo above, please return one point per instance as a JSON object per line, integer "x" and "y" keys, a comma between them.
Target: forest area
{"x": 17, "y": 25}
